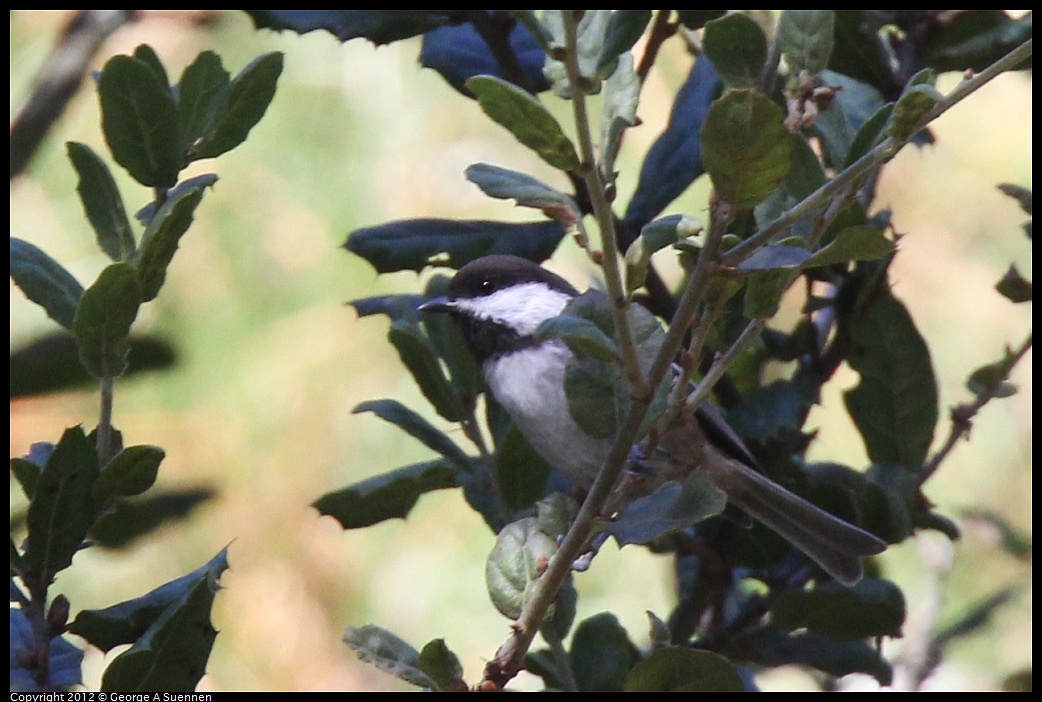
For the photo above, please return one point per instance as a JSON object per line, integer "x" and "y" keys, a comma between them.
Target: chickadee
{"x": 498, "y": 302}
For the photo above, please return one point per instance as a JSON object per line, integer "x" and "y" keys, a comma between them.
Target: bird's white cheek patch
{"x": 522, "y": 307}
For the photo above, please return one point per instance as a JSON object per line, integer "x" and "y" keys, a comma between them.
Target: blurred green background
{"x": 272, "y": 360}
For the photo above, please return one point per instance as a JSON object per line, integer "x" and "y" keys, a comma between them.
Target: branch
{"x": 60, "y": 78}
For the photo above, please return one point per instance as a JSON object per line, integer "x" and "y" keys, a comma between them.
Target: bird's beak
{"x": 437, "y": 304}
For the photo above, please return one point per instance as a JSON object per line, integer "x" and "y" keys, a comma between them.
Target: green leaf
{"x": 738, "y": 49}
{"x": 102, "y": 202}
{"x": 911, "y": 108}
{"x": 992, "y": 379}
{"x": 443, "y": 667}
{"x": 419, "y": 356}
{"x": 858, "y": 243}
{"x": 515, "y": 564}
{"x": 745, "y": 147}
{"x": 161, "y": 239}
{"x": 128, "y": 621}
{"x": 589, "y": 45}
{"x": 602, "y": 654}
{"x": 417, "y": 427}
{"x": 388, "y": 653}
{"x": 1014, "y": 286}
{"x": 525, "y": 118}
{"x": 895, "y": 404}
{"x": 618, "y": 111}
{"x": 504, "y": 184}
{"x": 521, "y": 473}
{"x": 671, "y": 507}
{"x": 45, "y": 282}
{"x": 131, "y": 472}
{"x": 249, "y": 95}
{"x": 764, "y": 291}
{"x": 871, "y": 608}
{"x": 655, "y": 236}
{"x": 806, "y": 39}
{"x": 139, "y": 118}
{"x": 134, "y": 518}
{"x": 388, "y": 496}
{"x": 171, "y": 655}
{"x": 146, "y": 54}
{"x": 582, "y": 335}
{"x": 103, "y": 319}
{"x": 871, "y": 132}
{"x": 62, "y": 508}
{"x": 775, "y": 257}
{"x": 201, "y": 97}
{"x": 675, "y": 669}
{"x": 837, "y": 658}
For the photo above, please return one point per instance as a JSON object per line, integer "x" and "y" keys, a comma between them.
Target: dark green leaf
{"x": 857, "y": 243}
{"x": 249, "y": 95}
{"x": 137, "y": 517}
{"x": 806, "y": 173}
{"x": 870, "y": 134}
{"x": 419, "y": 356}
{"x": 624, "y": 29}
{"x": 445, "y": 336}
{"x": 911, "y": 108}
{"x": 103, "y": 319}
{"x": 775, "y": 410}
{"x": 171, "y": 655}
{"x": 160, "y": 241}
{"x": 394, "y": 306}
{"x": 45, "y": 282}
{"x": 417, "y": 427}
{"x": 696, "y": 19}
{"x": 521, "y": 473}
{"x": 738, "y": 48}
{"x": 1014, "y": 286}
{"x": 202, "y": 96}
{"x": 589, "y": 44}
{"x": 745, "y": 147}
{"x": 671, "y": 507}
{"x": 675, "y": 669}
{"x": 525, "y": 118}
{"x": 388, "y": 653}
{"x": 128, "y": 621}
{"x": 504, "y": 184}
{"x": 895, "y": 404}
{"x": 388, "y": 496}
{"x": 148, "y": 55}
{"x": 655, "y": 236}
{"x": 62, "y": 508}
{"x": 515, "y": 564}
{"x": 602, "y": 654}
{"x": 102, "y": 202}
{"x": 139, "y": 118}
{"x": 837, "y": 658}
{"x": 871, "y": 608}
{"x": 992, "y": 379}
{"x": 27, "y": 469}
{"x": 443, "y": 666}
{"x": 764, "y": 291}
{"x": 806, "y": 39}
{"x": 200, "y": 182}
{"x": 618, "y": 111}
{"x": 582, "y": 336}
{"x": 131, "y": 472}
{"x": 417, "y": 243}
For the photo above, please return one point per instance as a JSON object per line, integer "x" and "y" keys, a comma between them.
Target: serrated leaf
{"x": 139, "y": 118}
{"x": 420, "y": 358}
{"x": 655, "y": 236}
{"x": 415, "y": 244}
{"x": 202, "y": 96}
{"x": 161, "y": 239}
{"x": 895, "y": 403}
{"x": 102, "y": 202}
{"x": 504, "y": 184}
{"x": 602, "y": 654}
{"x": 378, "y": 26}
{"x": 171, "y": 655}
{"x": 745, "y": 147}
{"x": 521, "y": 473}
{"x": 62, "y": 508}
{"x": 249, "y": 95}
{"x": 672, "y": 506}
{"x": 1014, "y": 287}
{"x": 871, "y": 608}
{"x": 128, "y": 621}
{"x": 388, "y": 653}
{"x": 675, "y": 669}
{"x": 417, "y": 427}
{"x": 806, "y": 38}
{"x": 132, "y": 471}
{"x": 105, "y": 314}
{"x": 857, "y": 243}
{"x": 388, "y": 496}
{"x": 515, "y": 564}
{"x": 45, "y": 282}
{"x": 738, "y": 48}
{"x": 526, "y": 118}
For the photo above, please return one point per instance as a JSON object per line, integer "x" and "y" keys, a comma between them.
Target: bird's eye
{"x": 485, "y": 286}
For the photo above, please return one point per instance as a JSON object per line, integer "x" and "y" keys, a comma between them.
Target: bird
{"x": 499, "y": 301}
